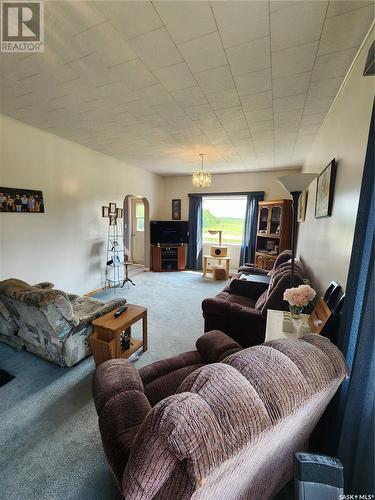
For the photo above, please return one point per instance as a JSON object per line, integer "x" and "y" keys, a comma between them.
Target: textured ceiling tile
{"x": 346, "y": 31}
{"x": 156, "y": 94}
{"x": 291, "y": 85}
{"x": 290, "y": 103}
{"x": 294, "y": 60}
{"x": 74, "y": 16}
{"x": 253, "y": 83}
{"x": 186, "y": 20}
{"x": 200, "y": 112}
{"x": 333, "y": 65}
{"x": 241, "y": 22}
{"x": 257, "y": 101}
{"x": 288, "y": 116}
{"x": 251, "y": 56}
{"x": 169, "y": 110}
{"x": 324, "y": 88}
{"x": 156, "y": 49}
{"x": 261, "y": 126}
{"x": 133, "y": 73}
{"x": 215, "y": 80}
{"x": 259, "y": 115}
{"x": 313, "y": 119}
{"x": 175, "y": 77}
{"x": 317, "y": 106}
{"x": 224, "y": 99}
{"x": 307, "y": 20}
{"x": 234, "y": 125}
{"x": 192, "y": 96}
{"x": 232, "y": 113}
{"x": 131, "y": 19}
{"x": 106, "y": 43}
{"x": 337, "y": 7}
{"x": 203, "y": 53}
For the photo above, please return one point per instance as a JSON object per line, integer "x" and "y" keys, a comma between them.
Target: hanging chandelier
{"x": 201, "y": 178}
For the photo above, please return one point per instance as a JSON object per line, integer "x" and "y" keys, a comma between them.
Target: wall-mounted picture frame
{"x": 302, "y": 204}
{"x": 112, "y": 208}
{"x": 324, "y": 191}
{"x": 112, "y": 219}
{"x": 176, "y": 209}
{"x": 105, "y": 211}
{"x": 15, "y": 200}
{"x": 119, "y": 212}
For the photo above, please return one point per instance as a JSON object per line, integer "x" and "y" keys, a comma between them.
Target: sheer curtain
{"x": 194, "y": 255}
{"x": 250, "y": 227}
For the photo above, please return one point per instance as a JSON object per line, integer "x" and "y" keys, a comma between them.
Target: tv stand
{"x": 168, "y": 257}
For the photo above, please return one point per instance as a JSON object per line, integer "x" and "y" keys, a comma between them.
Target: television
{"x": 169, "y": 231}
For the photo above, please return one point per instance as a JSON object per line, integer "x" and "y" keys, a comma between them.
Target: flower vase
{"x": 295, "y": 311}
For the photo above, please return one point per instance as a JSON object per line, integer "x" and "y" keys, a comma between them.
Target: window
{"x": 224, "y": 213}
{"x": 140, "y": 216}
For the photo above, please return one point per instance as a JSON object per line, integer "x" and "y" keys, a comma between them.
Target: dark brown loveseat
{"x": 240, "y": 310}
{"x": 228, "y": 431}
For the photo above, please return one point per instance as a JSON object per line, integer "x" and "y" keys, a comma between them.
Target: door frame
{"x": 127, "y": 227}
{"x": 133, "y": 202}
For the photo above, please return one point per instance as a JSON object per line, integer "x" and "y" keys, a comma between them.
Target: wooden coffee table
{"x": 105, "y": 339}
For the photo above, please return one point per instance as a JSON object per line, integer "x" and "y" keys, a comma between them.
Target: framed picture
{"x": 176, "y": 209}
{"x": 324, "y": 191}
{"x": 112, "y": 208}
{"x": 112, "y": 219}
{"x": 105, "y": 211}
{"x": 21, "y": 200}
{"x": 119, "y": 212}
{"x": 302, "y": 203}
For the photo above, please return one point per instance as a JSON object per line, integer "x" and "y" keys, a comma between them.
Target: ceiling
{"x": 156, "y": 83}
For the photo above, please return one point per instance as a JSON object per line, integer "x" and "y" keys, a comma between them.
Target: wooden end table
{"x": 105, "y": 339}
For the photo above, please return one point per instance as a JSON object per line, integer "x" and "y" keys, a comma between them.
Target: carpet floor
{"x": 49, "y": 439}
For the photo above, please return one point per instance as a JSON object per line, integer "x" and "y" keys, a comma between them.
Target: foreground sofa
{"x": 240, "y": 310}
{"x": 230, "y": 429}
{"x": 48, "y": 322}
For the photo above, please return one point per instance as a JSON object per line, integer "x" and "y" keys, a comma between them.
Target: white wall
{"x": 325, "y": 244}
{"x": 66, "y": 245}
{"x": 181, "y": 186}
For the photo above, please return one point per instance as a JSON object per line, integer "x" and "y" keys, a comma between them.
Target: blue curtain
{"x": 194, "y": 255}
{"x": 354, "y": 425}
{"x": 250, "y": 230}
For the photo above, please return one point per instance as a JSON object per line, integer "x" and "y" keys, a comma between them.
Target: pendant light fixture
{"x": 201, "y": 178}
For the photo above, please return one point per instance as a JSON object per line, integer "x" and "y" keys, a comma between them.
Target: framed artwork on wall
{"x": 21, "y": 200}
{"x": 105, "y": 211}
{"x": 324, "y": 191}
{"x": 112, "y": 208}
{"x": 176, "y": 209}
{"x": 302, "y": 204}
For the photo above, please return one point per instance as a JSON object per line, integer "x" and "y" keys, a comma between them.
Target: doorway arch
{"x": 126, "y": 232}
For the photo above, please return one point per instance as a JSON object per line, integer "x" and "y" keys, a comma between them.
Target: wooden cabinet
{"x": 274, "y": 231}
{"x": 168, "y": 257}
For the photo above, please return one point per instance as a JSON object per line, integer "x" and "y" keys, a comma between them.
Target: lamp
{"x": 295, "y": 185}
{"x": 200, "y": 177}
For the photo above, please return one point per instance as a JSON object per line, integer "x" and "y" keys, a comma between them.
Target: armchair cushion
{"x": 87, "y": 309}
{"x": 251, "y": 289}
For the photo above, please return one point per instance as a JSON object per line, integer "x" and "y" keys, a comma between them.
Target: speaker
{"x": 219, "y": 251}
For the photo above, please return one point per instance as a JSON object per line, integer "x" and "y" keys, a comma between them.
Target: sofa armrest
{"x": 251, "y": 268}
{"x": 122, "y": 407}
{"x": 213, "y": 346}
{"x": 249, "y": 289}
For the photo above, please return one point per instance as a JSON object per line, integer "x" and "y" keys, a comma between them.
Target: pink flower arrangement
{"x": 299, "y": 296}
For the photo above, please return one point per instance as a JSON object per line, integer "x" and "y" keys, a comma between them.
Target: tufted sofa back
{"x": 231, "y": 429}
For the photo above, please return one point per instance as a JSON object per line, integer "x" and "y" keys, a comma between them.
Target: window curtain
{"x": 194, "y": 255}
{"x": 250, "y": 228}
{"x": 354, "y": 426}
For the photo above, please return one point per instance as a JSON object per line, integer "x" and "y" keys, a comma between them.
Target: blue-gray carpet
{"x": 49, "y": 441}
